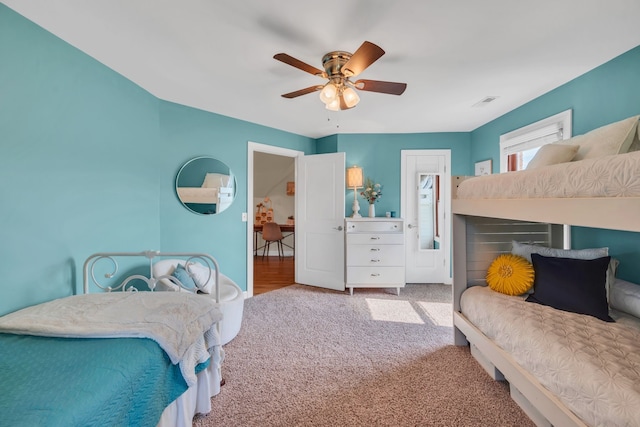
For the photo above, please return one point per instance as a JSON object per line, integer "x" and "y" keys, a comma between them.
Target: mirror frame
{"x": 199, "y": 191}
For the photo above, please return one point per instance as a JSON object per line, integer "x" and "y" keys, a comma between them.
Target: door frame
{"x": 447, "y": 202}
{"x": 253, "y": 147}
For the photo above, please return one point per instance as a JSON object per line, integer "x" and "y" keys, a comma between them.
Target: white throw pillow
{"x": 625, "y": 296}
{"x": 614, "y": 138}
{"x": 203, "y": 276}
{"x": 635, "y": 145}
{"x": 552, "y": 154}
{"x": 215, "y": 180}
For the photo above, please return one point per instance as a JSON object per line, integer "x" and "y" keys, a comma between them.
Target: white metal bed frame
{"x": 90, "y": 264}
{"x": 183, "y": 409}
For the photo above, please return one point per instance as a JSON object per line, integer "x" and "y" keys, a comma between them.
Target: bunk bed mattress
{"x": 610, "y": 176}
{"x": 592, "y": 366}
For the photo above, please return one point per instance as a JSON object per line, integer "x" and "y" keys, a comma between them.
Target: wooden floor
{"x": 272, "y": 273}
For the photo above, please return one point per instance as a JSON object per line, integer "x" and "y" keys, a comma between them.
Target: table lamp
{"x": 355, "y": 181}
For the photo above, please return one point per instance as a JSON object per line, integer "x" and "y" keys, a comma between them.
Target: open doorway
{"x": 273, "y": 202}
{"x": 271, "y": 177}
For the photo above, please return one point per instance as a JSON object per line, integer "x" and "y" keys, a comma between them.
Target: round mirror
{"x": 205, "y": 186}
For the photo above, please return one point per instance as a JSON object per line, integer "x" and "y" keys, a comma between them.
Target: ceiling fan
{"x": 339, "y": 67}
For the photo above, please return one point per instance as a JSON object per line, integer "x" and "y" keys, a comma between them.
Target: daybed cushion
{"x": 552, "y": 154}
{"x": 574, "y": 285}
{"x": 614, "y": 138}
{"x": 510, "y": 274}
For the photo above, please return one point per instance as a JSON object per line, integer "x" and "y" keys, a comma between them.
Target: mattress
{"x": 592, "y": 366}
{"x": 85, "y": 381}
{"x": 609, "y": 176}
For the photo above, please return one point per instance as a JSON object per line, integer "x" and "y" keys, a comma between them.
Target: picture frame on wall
{"x": 484, "y": 167}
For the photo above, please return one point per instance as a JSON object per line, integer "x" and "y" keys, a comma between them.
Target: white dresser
{"x": 375, "y": 253}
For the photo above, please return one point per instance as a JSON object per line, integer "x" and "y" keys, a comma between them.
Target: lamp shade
{"x": 351, "y": 98}
{"x": 354, "y": 177}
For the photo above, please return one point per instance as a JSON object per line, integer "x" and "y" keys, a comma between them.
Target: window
{"x": 518, "y": 147}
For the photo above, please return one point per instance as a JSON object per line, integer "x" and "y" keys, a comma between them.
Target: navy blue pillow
{"x": 183, "y": 276}
{"x": 575, "y": 285}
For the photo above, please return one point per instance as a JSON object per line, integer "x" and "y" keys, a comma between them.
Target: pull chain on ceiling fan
{"x": 338, "y": 93}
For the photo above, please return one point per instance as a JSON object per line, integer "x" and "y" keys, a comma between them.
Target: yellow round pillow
{"x": 510, "y": 274}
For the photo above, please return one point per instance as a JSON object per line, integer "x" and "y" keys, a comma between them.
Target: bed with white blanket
{"x": 598, "y": 187}
{"x": 563, "y": 368}
{"x": 128, "y": 356}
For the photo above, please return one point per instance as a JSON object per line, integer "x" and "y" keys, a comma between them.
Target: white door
{"x": 320, "y": 193}
{"x": 426, "y": 201}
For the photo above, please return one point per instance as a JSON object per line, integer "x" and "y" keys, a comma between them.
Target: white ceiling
{"x": 217, "y": 55}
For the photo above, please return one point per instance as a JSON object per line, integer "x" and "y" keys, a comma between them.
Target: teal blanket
{"x": 67, "y": 382}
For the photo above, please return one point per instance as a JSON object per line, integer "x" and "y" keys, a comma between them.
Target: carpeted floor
{"x": 312, "y": 357}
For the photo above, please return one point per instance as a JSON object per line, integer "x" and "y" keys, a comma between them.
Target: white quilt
{"x": 183, "y": 324}
{"x": 609, "y": 176}
{"x": 591, "y": 365}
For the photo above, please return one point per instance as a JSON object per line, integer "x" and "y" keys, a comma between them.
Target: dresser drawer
{"x": 375, "y": 238}
{"x": 375, "y": 275}
{"x": 374, "y": 226}
{"x": 371, "y": 255}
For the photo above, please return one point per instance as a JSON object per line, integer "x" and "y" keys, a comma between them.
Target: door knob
{"x": 339, "y": 228}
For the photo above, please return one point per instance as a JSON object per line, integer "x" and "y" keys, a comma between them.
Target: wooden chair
{"x": 271, "y": 233}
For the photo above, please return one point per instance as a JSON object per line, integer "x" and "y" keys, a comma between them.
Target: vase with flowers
{"x": 372, "y": 192}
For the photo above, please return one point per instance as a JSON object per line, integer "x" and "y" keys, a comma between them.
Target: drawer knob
{"x": 375, "y": 260}
{"x": 375, "y": 238}
{"x": 375, "y": 274}
{"x": 375, "y": 249}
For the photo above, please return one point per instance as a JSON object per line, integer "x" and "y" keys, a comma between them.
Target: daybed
{"x": 563, "y": 368}
{"x": 127, "y": 356}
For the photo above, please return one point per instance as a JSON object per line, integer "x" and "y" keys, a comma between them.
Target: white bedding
{"x": 183, "y": 324}
{"x": 206, "y": 195}
{"x": 591, "y": 365}
{"x": 609, "y": 176}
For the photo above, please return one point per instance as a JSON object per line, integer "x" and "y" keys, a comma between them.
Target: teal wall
{"x": 379, "y": 156}
{"x": 76, "y": 139}
{"x": 604, "y": 95}
{"x": 88, "y": 165}
{"x": 187, "y": 133}
{"x": 89, "y": 161}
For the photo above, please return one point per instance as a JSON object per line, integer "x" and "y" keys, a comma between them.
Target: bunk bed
{"x": 118, "y": 354}
{"x": 588, "y": 373}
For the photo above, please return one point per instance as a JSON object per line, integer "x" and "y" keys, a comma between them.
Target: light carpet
{"x": 307, "y": 356}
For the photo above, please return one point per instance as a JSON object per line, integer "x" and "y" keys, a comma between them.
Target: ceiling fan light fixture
{"x": 340, "y": 93}
{"x": 351, "y": 98}
{"x": 329, "y": 93}
{"x": 333, "y": 105}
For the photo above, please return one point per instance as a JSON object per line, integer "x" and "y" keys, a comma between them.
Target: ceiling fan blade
{"x": 392, "y": 88}
{"x": 367, "y": 54}
{"x": 302, "y": 92}
{"x": 290, "y": 60}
